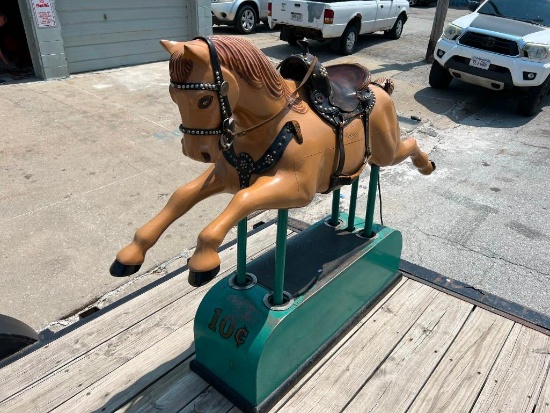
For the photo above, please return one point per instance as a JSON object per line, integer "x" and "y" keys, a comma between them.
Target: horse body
{"x": 261, "y": 101}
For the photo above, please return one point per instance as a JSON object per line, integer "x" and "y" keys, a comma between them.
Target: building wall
{"x": 45, "y": 45}
{"x": 50, "y": 52}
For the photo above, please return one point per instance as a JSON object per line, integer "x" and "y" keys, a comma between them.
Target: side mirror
{"x": 473, "y": 5}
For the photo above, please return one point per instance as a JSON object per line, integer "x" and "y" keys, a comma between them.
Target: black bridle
{"x": 227, "y": 127}
{"x": 222, "y": 87}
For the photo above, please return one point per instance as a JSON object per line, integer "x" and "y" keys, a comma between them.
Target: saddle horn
{"x": 305, "y": 46}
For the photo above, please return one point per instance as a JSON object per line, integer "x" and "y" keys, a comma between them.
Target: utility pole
{"x": 437, "y": 28}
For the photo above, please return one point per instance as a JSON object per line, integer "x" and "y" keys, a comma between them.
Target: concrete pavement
{"x": 87, "y": 160}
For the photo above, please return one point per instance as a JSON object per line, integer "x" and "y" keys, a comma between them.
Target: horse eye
{"x": 205, "y": 102}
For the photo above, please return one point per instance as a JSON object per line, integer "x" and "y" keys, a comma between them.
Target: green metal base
{"x": 252, "y": 353}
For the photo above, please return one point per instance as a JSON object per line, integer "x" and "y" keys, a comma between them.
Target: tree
{"x": 437, "y": 28}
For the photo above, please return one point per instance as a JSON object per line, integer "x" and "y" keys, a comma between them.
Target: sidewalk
{"x": 84, "y": 162}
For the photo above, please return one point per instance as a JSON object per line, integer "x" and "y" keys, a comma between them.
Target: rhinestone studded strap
{"x": 219, "y": 86}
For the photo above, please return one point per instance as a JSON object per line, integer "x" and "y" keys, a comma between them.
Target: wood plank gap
{"x": 76, "y": 377}
{"x": 316, "y": 367}
{"x": 115, "y": 388}
{"x": 516, "y": 382}
{"x": 413, "y": 358}
{"x": 455, "y": 383}
{"x": 210, "y": 401}
{"x": 360, "y": 355}
{"x": 441, "y": 359}
{"x": 116, "y": 379}
{"x": 56, "y": 355}
{"x": 481, "y": 388}
{"x": 543, "y": 402}
{"x": 171, "y": 393}
{"x": 371, "y": 375}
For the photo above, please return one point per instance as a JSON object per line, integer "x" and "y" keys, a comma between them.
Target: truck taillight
{"x": 329, "y": 16}
{"x": 269, "y": 9}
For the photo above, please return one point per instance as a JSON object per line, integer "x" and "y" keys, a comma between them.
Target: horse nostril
{"x": 205, "y": 156}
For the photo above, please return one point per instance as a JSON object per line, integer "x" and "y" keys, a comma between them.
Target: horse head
{"x": 204, "y": 95}
{"x": 222, "y": 84}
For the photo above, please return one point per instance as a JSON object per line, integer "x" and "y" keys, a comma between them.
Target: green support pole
{"x": 241, "y": 252}
{"x": 335, "y": 216}
{"x": 371, "y": 200}
{"x": 352, "y": 205}
{"x": 280, "y": 257}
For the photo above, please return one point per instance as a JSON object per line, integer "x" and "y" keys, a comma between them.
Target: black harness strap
{"x": 245, "y": 165}
{"x": 337, "y": 179}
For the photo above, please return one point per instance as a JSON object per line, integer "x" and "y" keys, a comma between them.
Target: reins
{"x": 289, "y": 102}
{"x": 226, "y": 129}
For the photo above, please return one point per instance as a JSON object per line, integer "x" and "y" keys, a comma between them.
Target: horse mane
{"x": 242, "y": 57}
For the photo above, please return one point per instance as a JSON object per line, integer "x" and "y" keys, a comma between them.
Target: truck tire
{"x": 529, "y": 103}
{"x": 14, "y": 336}
{"x": 245, "y": 20}
{"x": 397, "y": 29}
{"x": 348, "y": 41}
{"x": 440, "y": 78}
{"x": 289, "y": 35}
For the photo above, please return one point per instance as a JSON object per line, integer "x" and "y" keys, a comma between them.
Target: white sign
{"x": 43, "y": 12}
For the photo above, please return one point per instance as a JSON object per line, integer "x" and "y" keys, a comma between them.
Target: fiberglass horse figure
{"x": 274, "y": 138}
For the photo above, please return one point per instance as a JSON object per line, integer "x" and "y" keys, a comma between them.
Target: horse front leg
{"x": 266, "y": 193}
{"x": 129, "y": 259}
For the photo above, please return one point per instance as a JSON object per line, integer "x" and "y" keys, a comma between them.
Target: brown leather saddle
{"x": 339, "y": 94}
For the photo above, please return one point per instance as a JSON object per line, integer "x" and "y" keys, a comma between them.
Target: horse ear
{"x": 171, "y": 46}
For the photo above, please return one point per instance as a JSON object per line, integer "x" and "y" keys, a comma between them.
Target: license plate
{"x": 480, "y": 63}
{"x": 296, "y": 17}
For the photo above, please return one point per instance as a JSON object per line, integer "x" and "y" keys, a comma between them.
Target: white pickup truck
{"x": 340, "y": 21}
{"x": 503, "y": 44}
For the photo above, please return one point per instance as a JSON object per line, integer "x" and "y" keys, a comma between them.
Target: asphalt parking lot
{"x": 88, "y": 159}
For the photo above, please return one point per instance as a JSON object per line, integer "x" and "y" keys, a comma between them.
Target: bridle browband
{"x": 227, "y": 127}
{"x": 222, "y": 87}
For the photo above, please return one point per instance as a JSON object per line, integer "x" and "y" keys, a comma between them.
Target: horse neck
{"x": 255, "y": 106}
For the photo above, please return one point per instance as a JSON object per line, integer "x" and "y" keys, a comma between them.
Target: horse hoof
{"x": 119, "y": 269}
{"x": 198, "y": 278}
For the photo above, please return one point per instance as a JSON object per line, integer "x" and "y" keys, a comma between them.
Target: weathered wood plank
{"x": 516, "y": 380}
{"x": 335, "y": 381}
{"x": 56, "y": 355}
{"x": 400, "y": 377}
{"x": 458, "y": 379}
{"x": 115, "y": 388}
{"x": 97, "y": 364}
{"x": 210, "y": 401}
{"x": 543, "y": 405}
{"x": 169, "y": 394}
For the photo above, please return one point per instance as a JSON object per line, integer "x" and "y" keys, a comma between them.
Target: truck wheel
{"x": 14, "y": 336}
{"x": 348, "y": 41}
{"x": 289, "y": 35}
{"x": 529, "y": 104}
{"x": 397, "y": 29}
{"x": 440, "y": 78}
{"x": 245, "y": 20}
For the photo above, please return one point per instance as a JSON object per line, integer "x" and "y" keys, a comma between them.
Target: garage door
{"x": 100, "y": 34}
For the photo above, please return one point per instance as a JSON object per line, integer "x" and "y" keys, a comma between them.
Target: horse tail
{"x": 385, "y": 83}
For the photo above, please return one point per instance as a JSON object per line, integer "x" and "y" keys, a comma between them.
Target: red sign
{"x": 43, "y": 12}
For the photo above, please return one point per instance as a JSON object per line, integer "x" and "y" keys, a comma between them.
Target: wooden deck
{"x": 417, "y": 350}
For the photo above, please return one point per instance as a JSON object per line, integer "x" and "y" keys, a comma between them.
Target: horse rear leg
{"x": 409, "y": 148}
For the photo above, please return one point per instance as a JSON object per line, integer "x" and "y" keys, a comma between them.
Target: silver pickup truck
{"x": 340, "y": 21}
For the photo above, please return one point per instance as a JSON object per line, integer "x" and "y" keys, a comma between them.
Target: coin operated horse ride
{"x": 275, "y": 138}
